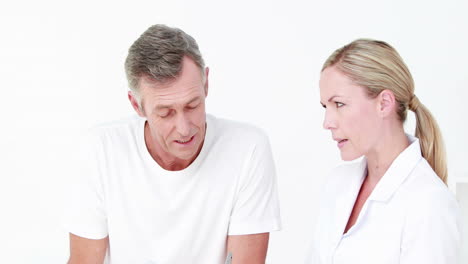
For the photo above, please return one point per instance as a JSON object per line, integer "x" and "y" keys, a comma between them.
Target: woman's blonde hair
{"x": 377, "y": 66}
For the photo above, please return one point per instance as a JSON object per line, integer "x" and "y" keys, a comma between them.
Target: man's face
{"x": 175, "y": 112}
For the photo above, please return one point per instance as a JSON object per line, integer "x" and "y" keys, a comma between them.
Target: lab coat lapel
{"x": 344, "y": 204}
{"x": 398, "y": 171}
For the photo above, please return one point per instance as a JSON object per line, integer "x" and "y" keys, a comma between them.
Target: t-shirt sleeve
{"x": 256, "y": 208}
{"x": 85, "y": 213}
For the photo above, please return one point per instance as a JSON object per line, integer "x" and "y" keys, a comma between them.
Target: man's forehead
{"x": 170, "y": 82}
{"x": 161, "y": 104}
{"x": 171, "y": 97}
{"x": 146, "y": 80}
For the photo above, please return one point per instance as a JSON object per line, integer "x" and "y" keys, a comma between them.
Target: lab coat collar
{"x": 355, "y": 175}
{"x": 398, "y": 171}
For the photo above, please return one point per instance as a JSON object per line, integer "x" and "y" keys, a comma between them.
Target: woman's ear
{"x": 387, "y": 103}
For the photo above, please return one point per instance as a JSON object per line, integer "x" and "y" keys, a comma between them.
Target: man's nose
{"x": 183, "y": 125}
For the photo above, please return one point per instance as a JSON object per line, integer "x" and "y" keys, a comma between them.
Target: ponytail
{"x": 430, "y": 138}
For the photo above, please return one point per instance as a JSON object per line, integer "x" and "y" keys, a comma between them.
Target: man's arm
{"x": 87, "y": 251}
{"x": 248, "y": 249}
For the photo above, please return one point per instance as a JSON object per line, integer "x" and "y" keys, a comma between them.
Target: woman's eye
{"x": 338, "y": 104}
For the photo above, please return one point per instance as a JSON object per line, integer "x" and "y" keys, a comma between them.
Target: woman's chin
{"x": 350, "y": 156}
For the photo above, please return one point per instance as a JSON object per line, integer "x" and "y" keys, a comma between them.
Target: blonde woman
{"x": 393, "y": 206}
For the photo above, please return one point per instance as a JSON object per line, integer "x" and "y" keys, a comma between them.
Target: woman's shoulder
{"x": 426, "y": 190}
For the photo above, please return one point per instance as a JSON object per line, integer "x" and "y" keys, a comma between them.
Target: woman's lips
{"x": 342, "y": 142}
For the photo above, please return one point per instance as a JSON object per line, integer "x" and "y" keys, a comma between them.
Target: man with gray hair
{"x": 173, "y": 184}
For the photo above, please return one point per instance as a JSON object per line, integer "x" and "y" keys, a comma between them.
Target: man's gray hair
{"x": 158, "y": 54}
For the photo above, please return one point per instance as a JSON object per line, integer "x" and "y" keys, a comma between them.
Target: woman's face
{"x": 350, "y": 115}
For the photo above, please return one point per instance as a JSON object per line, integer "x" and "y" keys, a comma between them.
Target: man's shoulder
{"x": 119, "y": 132}
{"x": 116, "y": 127}
{"x": 227, "y": 128}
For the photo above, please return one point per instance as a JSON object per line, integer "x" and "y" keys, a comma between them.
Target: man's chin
{"x": 185, "y": 155}
{"x": 186, "y": 152}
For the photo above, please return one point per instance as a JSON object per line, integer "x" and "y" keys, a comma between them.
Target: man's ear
{"x": 386, "y": 103}
{"x": 135, "y": 104}
{"x": 207, "y": 71}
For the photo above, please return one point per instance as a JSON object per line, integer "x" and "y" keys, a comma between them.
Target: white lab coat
{"x": 409, "y": 218}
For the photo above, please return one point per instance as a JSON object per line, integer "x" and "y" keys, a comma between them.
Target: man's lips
{"x": 185, "y": 141}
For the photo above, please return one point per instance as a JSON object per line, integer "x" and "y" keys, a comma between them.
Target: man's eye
{"x": 192, "y": 106}
{"x": 338, "y": 104}
{"x": 163, "y": 114}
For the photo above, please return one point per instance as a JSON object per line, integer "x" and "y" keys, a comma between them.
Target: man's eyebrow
{"x": 194, "y": 99}
{"x": 160, "y": 107}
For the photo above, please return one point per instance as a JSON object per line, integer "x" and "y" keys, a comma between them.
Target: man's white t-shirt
{"x": 156, "y": 216}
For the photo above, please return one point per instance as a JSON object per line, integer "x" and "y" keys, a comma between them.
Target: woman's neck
{"x": 385, "y": 152}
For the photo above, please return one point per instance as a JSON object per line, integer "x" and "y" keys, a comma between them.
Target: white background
{"x": 61, "y": 68}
